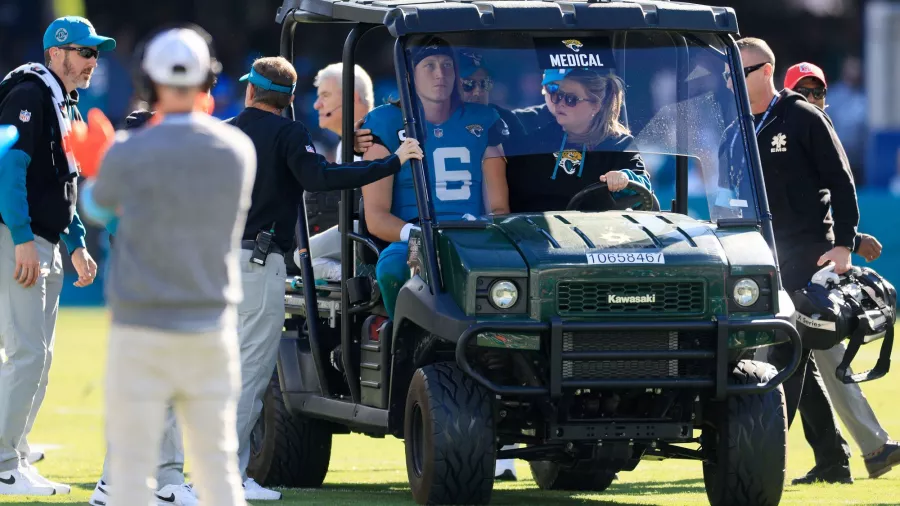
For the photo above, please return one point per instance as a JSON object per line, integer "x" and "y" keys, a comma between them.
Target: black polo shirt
{"x": 287, "y": 164}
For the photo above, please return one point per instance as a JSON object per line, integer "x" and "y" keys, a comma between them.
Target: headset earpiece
{"x": 144, "y": 87}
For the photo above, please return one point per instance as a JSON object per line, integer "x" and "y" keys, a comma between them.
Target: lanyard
{"x": 559, "y": 157}
{"x": 734, "y": 139}
{"x": 759, "y": 126}
{"x": 762, "y": 120}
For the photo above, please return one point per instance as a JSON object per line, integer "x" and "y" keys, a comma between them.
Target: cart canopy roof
{"x": 403, "y": 17}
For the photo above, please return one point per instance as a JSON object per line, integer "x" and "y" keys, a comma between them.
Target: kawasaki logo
{"x": 631, "y": 299}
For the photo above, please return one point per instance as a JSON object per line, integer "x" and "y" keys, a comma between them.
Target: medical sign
{"x": 571, "y": 53}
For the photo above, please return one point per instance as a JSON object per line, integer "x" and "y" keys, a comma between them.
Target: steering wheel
{"x": 605, "y": 201}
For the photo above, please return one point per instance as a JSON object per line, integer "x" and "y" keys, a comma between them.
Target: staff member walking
{"x": 831, "y": 451}
{"x": 173, "y": 283}
{"x": 288, "y": 165}
{"x": 37, "y": 209}
{"x": 809, "y": 186}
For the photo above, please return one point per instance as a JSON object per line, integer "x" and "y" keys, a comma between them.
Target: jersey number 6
{"x": 442, "y": 176}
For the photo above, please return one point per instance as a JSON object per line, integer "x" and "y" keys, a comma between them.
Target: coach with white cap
{"x": 181, "y": 190}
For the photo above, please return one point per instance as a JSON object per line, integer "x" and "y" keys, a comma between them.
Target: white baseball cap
{"x": 177, "y": 57}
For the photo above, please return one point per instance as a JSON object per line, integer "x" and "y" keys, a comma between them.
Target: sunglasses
{"x": 85, "y": 52}
{"x": 747, "y": 70}
{"x": 556, "y": 96}
{"x": 818, "y": 92}
{"x": 485, "y": 84}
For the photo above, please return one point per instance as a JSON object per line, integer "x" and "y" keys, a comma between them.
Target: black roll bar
{"x": 345, "y": 212}
{"x": 414, "y": 130}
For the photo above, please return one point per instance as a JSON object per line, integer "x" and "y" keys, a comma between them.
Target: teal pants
{"x": 391, "y": 272}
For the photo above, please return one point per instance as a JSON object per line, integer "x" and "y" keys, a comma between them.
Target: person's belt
{"x": 251, "y": 245}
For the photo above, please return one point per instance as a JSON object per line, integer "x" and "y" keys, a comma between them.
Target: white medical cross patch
{"x": 779, "y": 143}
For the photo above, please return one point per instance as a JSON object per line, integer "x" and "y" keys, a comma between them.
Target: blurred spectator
{"x": 847, "y": 100}
{"x": 228, "y": 105}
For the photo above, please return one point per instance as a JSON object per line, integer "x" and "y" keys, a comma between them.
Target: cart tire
{"x": 751, "y": 471}
{"x": 287, "y": 450}
{"x": 449, "y": 437}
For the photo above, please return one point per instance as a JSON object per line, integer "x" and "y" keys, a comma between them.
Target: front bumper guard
{"x": 556, "y": 327}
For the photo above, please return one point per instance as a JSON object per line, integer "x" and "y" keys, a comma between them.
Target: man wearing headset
{"x": 174, "y": 283}
{"x": 170, "y": 483}
{"x": 322, "y": 207}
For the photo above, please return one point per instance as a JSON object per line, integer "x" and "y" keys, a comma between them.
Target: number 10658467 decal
{"x": 625, "y": 258}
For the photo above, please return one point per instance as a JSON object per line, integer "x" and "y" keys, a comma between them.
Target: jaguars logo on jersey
{"x": 475, "y": 130}
{"x": 573, "y": 44}
{"x": 569, "y": 161}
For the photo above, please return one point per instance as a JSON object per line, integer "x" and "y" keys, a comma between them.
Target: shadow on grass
{"x": 685, "y": 486}
{"x": 399, "y": 493}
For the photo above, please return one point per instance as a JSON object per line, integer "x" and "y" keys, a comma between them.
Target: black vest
{"x": 52, "y": 190}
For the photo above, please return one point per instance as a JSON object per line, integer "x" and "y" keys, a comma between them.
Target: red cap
{"x": 801, "y": 70}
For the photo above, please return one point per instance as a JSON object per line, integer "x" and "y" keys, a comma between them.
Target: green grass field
{"x": 371, "y": 472}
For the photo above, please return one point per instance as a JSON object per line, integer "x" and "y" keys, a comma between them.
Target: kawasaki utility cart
{"x": 592, "y": 336}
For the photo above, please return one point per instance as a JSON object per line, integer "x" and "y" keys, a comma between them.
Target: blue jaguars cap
{"x": 9, "y": 134}
{"x": 470, "y": 62}
{"x": 75, "y": 30}
{"x": 551, "y": 75}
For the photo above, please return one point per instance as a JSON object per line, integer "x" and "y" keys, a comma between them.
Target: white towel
{"x": 59, "y": 101}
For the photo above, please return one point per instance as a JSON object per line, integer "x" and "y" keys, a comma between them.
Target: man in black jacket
{"x": 287, "y": 164}
{"x": 809, "y": 185}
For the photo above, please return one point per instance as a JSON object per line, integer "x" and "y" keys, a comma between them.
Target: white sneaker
{"x": 60, "y": 488}
{"x": 17, "y": 482}
{"x": 254, "y": 492}
{"x": 100, "y": 497}
{"x": 177, "y": 495}
{"x": 34, "y": 457}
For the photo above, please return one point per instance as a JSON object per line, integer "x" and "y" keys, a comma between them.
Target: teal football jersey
{"x": 454, "y": 151}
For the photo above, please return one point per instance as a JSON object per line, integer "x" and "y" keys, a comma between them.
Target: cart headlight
{"x": 504, "y": 294}
{"x": 746, "y": 292}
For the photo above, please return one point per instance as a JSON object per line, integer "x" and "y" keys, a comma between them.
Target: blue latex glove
{"x": 9, "y": 134}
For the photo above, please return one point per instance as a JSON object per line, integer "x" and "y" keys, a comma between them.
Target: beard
{"x": 82, "y": 80}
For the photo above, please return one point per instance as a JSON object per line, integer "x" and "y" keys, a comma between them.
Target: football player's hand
{"x": 869, "y": 247}
{"x": 84, "y": 266}
{"x": 362, "y": 139}
{"x": 89, "y": 141}
{"x": 409, "y": 149}
{"x": 615, "y": 180}
{"x": 840, "y": 255}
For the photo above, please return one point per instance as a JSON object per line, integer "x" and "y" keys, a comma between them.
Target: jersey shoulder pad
{"x": 387, "y": 116}
{"x": 481, "y": 113}
{"x": 386, "y": 123}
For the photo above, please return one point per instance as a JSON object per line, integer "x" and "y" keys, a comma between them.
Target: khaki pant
{"x": 27, "y": 331}
{"x": 170, "y": 470}
{"x": 850, "y": 402}
{"x": 198, "y": 373}
{"x": 261, "y": 320}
